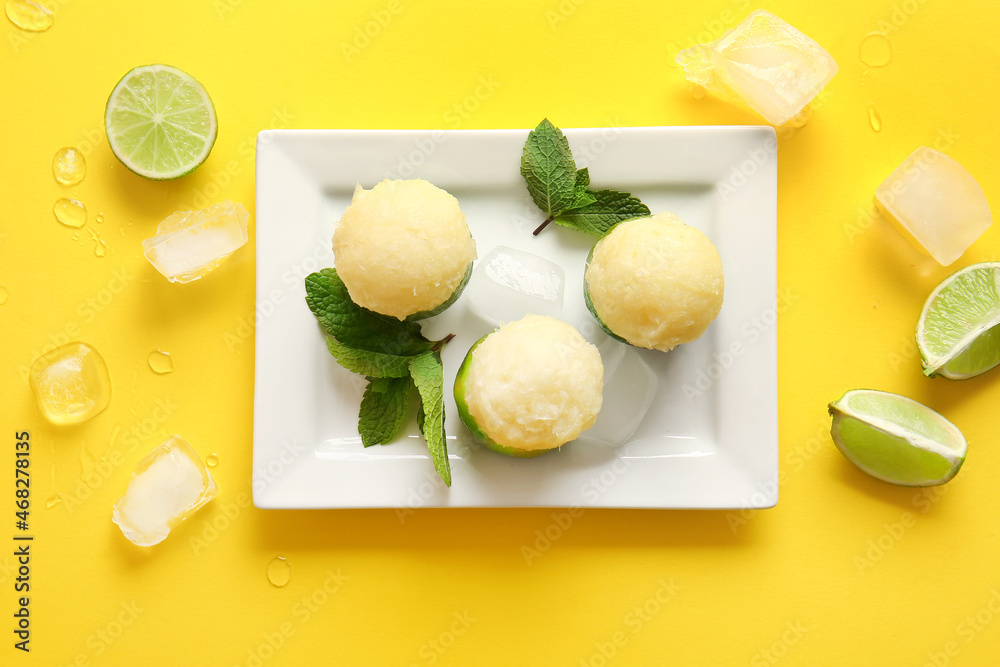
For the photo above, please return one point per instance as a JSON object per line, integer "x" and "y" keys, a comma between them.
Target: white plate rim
{"x": 736, "y": 164}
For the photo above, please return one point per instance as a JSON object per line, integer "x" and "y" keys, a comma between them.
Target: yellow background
{"x": 845, "y": 570}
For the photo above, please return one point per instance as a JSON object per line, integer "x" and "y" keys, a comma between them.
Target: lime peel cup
{"x": 935, "y": 203}
{"x": 763, "y": 64}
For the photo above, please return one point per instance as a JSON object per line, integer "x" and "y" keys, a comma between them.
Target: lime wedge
{"x": 896, "y": 439}
{"x": 957, "y": 333}
{"x": 160, "y": 122}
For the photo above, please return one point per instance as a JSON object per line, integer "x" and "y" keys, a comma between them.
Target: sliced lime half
{"x": 160, "y": 122}
{"x": 958, "y": 333}
{"x": 896, "y": 439}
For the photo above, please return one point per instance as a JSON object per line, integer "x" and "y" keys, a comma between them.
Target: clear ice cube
{"x": 189, "y": 244}
{"x": 167, "y": 486}
{"x": 629, "y": 388}
{"x": 935, "y": 203}
{"x": 762, "y": 63}
{"x": 71, "y": 383}
{"x": 508, "y": 284}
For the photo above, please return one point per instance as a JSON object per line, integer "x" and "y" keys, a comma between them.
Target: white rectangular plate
{"x": 710, "y": 439}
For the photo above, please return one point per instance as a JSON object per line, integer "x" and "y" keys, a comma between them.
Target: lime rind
{"x": 957, "y": 333}
{"x": 448, "y": 303}
{"x": 160, "y": 122}
{"x": 470, "y": 421}
{"x": 896, "y": 439}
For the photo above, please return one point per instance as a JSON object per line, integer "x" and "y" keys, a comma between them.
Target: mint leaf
{"x": 548, "y": 168}
{"x": 583, "y": 178}
{"x": 584, "y": 197}
{"x": 428, "y": 375}
{"x": 609, "y": 208}
{"x": 372, "y": 364}
{"x": 359, "y": 327}
{"x": 384, "y": 408}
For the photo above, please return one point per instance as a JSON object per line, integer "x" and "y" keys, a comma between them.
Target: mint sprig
{"x": 563, "y": 192}
{"x": 395, "y": 358}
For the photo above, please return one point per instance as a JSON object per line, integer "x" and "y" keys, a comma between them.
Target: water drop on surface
{"x": 279, "y": 572}
{"x": 212, "y": 460}
{"x": 874, "y": 119}
{"x": 100, "y": 217}
{"x": 876, "y": 51}
{"x": 4, "y": 294}
{"x": 801, "y": 118}
{"x": 69, "y": 166}
{"x": 101, "y": 249}
{"x": 160, "y": 362}
{"x": 28, "y": 15}
{"x": 53, "y": 501}
{"x": 70, "y": 212}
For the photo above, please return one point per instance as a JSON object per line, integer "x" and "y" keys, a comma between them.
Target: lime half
{"x": 896, "y": 439}
{"x": 958, "y": 334}
{"x": 160, "y": 122}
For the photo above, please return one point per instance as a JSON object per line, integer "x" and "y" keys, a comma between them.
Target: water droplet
{"x": 70, "y": 212}
{"x": 212, "y": 460}
{"x": 100, "y": 217}
{"x": 876, "y": 51}
{"x": 279, "y": 572}
{"x": 874, "y": 119}
{"x": 100, "y": 247}
{"x": 53, "y": 501}
{"x": 160, "y": 362}
{"x": 28, "y": 15}
{"x": 69, "y": 166}
{"x": 4, "y": 294}
{"x": 801, "y": 118}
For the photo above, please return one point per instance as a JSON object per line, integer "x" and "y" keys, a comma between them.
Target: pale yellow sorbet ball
{"x": 656, "y": 282}
{"x": 402, "y": 247}
{"x": 535, "y": 384}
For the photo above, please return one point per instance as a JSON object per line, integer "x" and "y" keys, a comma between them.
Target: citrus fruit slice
{"x": 160, "y": 122}
{"x": 896, "y": 439}
{"x": 958, "y": 334}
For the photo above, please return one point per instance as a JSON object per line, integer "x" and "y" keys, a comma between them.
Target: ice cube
{"x": 189, "y": 244}
{"x": 935, "y": 203}
{"x": 629, "y": 387}
{"x": 71, "y": 383}
{"x": 166, "y": 487}
{"x": 508, "y": 284}
{"x": 762, "y": 63}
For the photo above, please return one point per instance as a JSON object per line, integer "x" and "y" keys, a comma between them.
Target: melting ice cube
{"x": 508, "y": 284}
{"x": 166, "y": 487}
{"x": 629, "y": 387}
{"x": 71, "y": 383}
{"x": 934, "y": 202}
{"x": 763, "y": 63}
{"x": 189, "y": 244}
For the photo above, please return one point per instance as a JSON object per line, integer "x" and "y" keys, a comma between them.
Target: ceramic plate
{"x": 709, "y": 438}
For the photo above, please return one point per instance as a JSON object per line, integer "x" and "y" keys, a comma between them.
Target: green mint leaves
{"x": 563, "y": 192}
{"x": 384, "y": 409}
{"x": 399, "y": 363}
{"x": 428, "y": 375}
{"x": 608, "y": 209}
